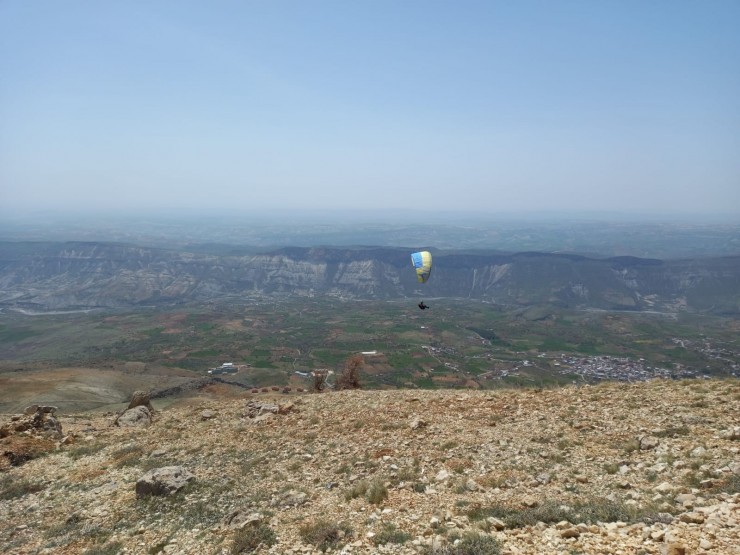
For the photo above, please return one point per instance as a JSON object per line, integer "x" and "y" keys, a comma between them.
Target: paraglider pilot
{"x": 422, "y": 305}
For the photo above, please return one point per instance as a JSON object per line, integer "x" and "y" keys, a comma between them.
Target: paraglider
{"x": 422, "y": 262}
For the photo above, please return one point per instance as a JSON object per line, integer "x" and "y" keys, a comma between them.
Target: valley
{"x": 458, "y": 343}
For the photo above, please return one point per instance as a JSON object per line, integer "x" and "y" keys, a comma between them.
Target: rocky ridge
{"x": 642, "y": 468}
{"x": 77, "y": 275}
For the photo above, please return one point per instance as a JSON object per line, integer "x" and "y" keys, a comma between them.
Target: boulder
{"x": 256, "y": 408}
{"x": 163, "y": 481}
{"x": 140, "y": 399}
{"x": 241, "y": 518}
{"x": 648, "y": 442}
{"x": 673, "y": 549}
{"x": 417, "y": 424}
{"x": 136, "y": 417}
{"x": 291, "y": 498}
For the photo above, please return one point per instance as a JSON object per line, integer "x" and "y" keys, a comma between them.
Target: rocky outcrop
{"x": 30, "y": 435}
{"x": 36, "y": 420}
{"x": 163, "y": 481}
{"x": 137, "y": 417}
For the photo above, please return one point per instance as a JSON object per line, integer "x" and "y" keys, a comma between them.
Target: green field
{"x": 455, "y": 344}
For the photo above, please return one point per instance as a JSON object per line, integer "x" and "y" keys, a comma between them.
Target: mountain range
{"x": 79, "y": 275}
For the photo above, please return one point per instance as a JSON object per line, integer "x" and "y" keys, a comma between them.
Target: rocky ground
{"x": 644, "y": 468}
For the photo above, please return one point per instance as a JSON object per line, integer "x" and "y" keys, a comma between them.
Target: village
{"x": 598, "y": 368}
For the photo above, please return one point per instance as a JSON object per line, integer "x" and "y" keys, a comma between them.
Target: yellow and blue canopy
{"x": 422, "y": 262}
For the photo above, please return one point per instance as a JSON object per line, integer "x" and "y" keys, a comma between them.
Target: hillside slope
{"x": 644, "y": 468}
{"x": 49, "y": 276}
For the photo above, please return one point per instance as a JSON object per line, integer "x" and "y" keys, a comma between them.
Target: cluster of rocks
{"x": 36, "y": 420}
{"x": 649, "y": 468}
{"x": 29, "y": 435}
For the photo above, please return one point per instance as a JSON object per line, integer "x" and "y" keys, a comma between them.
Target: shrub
{"x": 472, "y": 543}
{"x": 391, "y": 534}
{"x": 319, "y": 381}
{"x": 112, "y": 548}
{"x": 611, "y": 468}
{"x": 631, "y": 446}
{"x": 129, "y": 455}
{"x": 376, "y": 493}
{"x": 12, "y": 489}
{"x": 360, "y": 488}
{"x": 350, "y": 376}
{"x": 85, "y": 450}
{"x": 729, "y": 484}
{"x": 250, "y": 538}
{"x": 324, "y": 534}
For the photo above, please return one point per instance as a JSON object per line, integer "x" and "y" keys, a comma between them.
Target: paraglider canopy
{"x": 422, "y": 262}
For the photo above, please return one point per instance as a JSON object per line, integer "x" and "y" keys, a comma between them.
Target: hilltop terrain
{"x": 643, "y": 468}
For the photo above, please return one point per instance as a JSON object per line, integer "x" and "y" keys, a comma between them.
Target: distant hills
{"x": 74, "y": 275}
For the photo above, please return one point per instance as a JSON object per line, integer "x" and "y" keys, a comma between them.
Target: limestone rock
{"x": 417, "y": 424}
{"x": 163, "y": 481}
{"x": 289, "y": 498}
{"x": 241, "y": 518}
{"x": 648, "y": 442}
{"x": 136, "y": 417}
{"x": 663, "y": 487}
{"x": 674, "y": 549}
{"x": 692, "y": 517}
{"x": 258, "y": 408}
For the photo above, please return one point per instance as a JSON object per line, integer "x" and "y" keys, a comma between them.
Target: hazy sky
{"x": 480, "y": 105}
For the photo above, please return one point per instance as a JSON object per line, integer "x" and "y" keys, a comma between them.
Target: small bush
{"x": 407, "y": 474}
{"x": 200, "y": 513}
{"x": 12, "y": 489}
{"x": 611, "y": 468}
{"x": 318, "y": 384}
{"x": 730, "y": 484}
{"x": 324, "y": 534}
{"x": 376, "y": 493}
{"x": 631, "y": 446}
{"x": 472, "y": 543}
{"x": 458, "y": 465}
{"x": 359, "y": 489}
{"x": 112, "y": 548}
{"x": 85, "y": 450}
{"x": 129, "y": 455}
{"x": 157, "y": 548}
{"x": 391, "y": 534}
{"x": 419, "y": 487}
{"x": 350, "y": 376}
{"x": 250, "y": 538}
